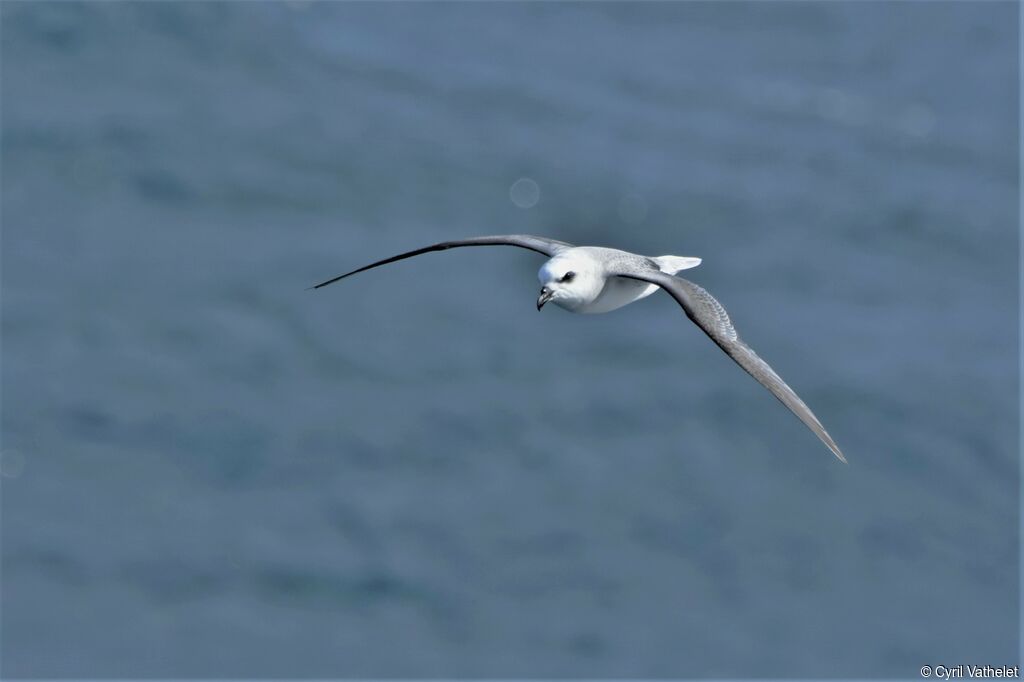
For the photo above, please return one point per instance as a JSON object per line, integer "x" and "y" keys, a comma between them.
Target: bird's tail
{"x": 673, "y": 264}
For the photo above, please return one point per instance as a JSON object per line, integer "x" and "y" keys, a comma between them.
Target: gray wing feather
{"x": 548, "y": 247}
{"x": 708, "y": 314}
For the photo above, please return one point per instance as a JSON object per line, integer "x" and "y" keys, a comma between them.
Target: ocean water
{"x": 209, "y": 471}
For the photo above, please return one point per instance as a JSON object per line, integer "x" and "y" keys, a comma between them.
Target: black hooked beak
{"x": 545, "y": 296}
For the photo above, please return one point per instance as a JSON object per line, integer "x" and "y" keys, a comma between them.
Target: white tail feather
{"x": 673, "y": 264}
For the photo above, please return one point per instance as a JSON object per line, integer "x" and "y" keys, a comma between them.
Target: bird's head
{"x": 569, "y": 282}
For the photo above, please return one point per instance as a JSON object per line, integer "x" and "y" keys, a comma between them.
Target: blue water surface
{"x": 210, "y": 471}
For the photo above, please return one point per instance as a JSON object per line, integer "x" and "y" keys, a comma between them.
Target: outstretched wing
{"x": 548, "y": 247}
{"x": 709, "y": 315}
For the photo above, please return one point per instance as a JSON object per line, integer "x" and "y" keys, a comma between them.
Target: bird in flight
{"x": 592, "y": 279}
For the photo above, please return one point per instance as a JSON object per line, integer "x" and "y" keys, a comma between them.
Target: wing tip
{"x": 331, "y": 281}
{"x": 837, "y": 452}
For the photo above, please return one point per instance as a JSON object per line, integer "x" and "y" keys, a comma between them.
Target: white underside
{"x": 618, "y": 292}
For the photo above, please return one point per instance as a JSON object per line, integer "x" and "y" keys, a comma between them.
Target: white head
{"x": 570, "y": 281}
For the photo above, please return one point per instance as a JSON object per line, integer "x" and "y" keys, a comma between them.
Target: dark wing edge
{"x": 708, "y": 314}
{"x": 548, "y": 247}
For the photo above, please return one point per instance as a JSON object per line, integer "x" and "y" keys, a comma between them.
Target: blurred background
{"x": 209, "y": 471}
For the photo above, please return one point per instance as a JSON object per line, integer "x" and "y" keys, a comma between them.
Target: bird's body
{"x": 607, "y": 291}
{"x": 592, "y": 279}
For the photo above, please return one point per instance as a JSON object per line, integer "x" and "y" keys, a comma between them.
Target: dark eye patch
{"x": 567, "y": 277}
